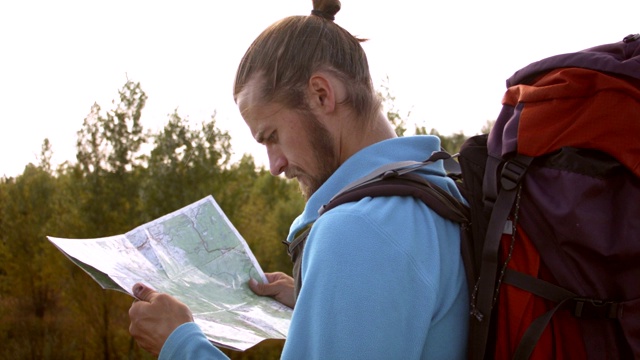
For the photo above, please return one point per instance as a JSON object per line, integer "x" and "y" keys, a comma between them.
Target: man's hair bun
{"x": 326, "y": 8}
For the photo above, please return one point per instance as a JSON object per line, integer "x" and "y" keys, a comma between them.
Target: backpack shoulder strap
{"x": 403, "y": 167}
{"x": 399, "y": 179}
{"x": 440, "y": 201}
{"x": 484, "y": 297}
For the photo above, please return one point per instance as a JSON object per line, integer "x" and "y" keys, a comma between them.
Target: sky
{"x": 446, "y": 61}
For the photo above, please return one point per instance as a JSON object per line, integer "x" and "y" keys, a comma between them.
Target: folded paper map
{"x": 196, "y": 255}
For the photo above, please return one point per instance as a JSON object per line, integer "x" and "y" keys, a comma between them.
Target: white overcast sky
{"x": 447, "y": 61}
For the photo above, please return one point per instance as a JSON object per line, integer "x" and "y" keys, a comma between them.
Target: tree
{"x": 106, "y": 182}
{"x": 487, "y": 126}
{"x": 46, "y": 153}
{"x": 392, "y": 112}
{"x": 451, "y": 143}
{"x": 264, "y": 219}
{"x": 112, "y": 142}
{"x": 185, "y": 165}
{"x": 30, "y": 289}
{"x": 110, "y": 161}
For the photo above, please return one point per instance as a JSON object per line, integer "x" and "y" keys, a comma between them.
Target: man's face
{"x": 297, "y": 143}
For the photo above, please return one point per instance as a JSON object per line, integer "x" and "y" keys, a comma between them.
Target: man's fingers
{"x": 258, "y": 288}
{"x": 275, "y": 276}
{"x": 143, "y": 292}
{"x": 154, "y": 317}
{"x": 264, "y": 289}
{"x": 272, "y": 277}
{"x": 281, "y": 289}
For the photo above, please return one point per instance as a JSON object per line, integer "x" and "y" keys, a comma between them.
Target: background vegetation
{"x": 125, "y": 176}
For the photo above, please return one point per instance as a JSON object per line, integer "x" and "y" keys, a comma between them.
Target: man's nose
{"x": 277, "y": 160}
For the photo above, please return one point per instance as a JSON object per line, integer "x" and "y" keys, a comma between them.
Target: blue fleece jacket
{"x": 382, "y": 278}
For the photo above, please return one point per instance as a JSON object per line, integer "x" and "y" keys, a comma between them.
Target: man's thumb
{"x": 143, "y": 292}
{"x": 257, "y": 287}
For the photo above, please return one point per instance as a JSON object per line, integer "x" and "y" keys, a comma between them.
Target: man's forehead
{"x": 247, "y": 99}
{"x": 256, "y": 113}
{"x": 251, "y": 91}
{"x": 252, "y": 103}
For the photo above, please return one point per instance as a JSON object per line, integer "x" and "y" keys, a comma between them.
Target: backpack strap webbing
{"x": 541, "y": 288}
{"x": 581, "y": 307}
{"x": 403, "y": 167}
{"x": 510, "y": 178}
{"x": 440, "y": 201}
{"x": 295, "y": 249}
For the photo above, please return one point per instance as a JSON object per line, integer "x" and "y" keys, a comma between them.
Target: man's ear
{"x": 322, "y": 92}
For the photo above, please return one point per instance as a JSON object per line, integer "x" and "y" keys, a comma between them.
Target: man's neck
{"x": 363, "y": 134}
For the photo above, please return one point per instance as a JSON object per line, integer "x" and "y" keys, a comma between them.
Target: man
{"x": 381, "y": 278}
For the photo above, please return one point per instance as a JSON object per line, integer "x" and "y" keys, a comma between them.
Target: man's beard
{"x": 322, "y": 145}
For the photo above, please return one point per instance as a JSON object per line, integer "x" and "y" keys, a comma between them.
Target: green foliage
{"x": 450, "y": 143}
{"x": 487, "y": 126}
{"x": 112, "y": 142}
{"x": 398, "y": 121}
{"x": 30, "y": 291}
{"x": 46, "y": 152}
{"x": 185, "y": 165}
{"x": 264, "y": 219}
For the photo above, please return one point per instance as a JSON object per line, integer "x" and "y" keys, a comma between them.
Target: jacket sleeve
{"x": 188, "y": 342}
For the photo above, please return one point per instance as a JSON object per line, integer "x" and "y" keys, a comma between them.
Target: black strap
{"x": 533, "y": 333}
{"x": 545, "y": 290}
{"x": 536, "y": 286}
{"x": 581, "y": 307}
{"x": 295, "y": 250}
{"x": 512, "y": 173}
{"x": 440, "y": 201}
{"x": 400, "y": 168}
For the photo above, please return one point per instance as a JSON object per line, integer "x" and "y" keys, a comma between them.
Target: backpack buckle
{"x": 592, "y": 308}
{"x": 512, "y": 173}
{"x": 389, "y": 174}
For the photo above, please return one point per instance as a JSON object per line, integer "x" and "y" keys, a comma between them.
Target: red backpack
{"x": 563, "y": 172}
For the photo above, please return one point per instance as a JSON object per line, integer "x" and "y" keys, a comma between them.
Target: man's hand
{"x": 280, "y": 287}
{"x": 155, "y": 317}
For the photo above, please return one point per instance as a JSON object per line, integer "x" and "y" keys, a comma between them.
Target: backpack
{"x": 551, "y": 228}
{"x": 558, "y": 265}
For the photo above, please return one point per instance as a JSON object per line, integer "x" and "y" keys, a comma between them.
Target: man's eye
{"x": 273, "y": 137}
